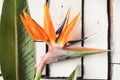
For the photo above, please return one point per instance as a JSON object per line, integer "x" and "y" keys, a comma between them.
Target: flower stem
{"x": 38, "y": 74}
{"x": 42, "y": 63}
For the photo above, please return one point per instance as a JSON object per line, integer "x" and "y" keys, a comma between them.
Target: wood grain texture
{"x": 1, "y": 78}
{"x": 58, "y": 9}
{"x": 116, "y": 72}
{"x": 0, "y": 71}
{"x": 0, "y": 17}
{"x": 95, "y": 21}
{"x": 40, "y": 48}
{"x": 37, "y": 10}
{"x": 115, "y": 40}
{"x": 116, "y": 32}
{"x": 95, "y": 66}
{"x": 1, "y": 1}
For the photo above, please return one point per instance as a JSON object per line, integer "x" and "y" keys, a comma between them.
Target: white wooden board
{"x": 58, "y": 9}
{"x": 115, "y": 41}
{"x": 116, "y": 32}
{"x": 0, "y": 70}
{"x": 40, "y": 48}
{"x": 95, "y": 66}
{"x": 64, "y": 68}
{"x": 36, "y": 8}
{"x": 116, "y": 72}
{"x": 1, "y": 78}
{"x": 1, "y": 1}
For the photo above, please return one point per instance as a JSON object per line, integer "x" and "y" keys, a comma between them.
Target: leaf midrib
{"x": 16, "y": 40}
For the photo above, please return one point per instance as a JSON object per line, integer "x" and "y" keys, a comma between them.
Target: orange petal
{"x": 65, "y": 36}
{"x": 48, "y": 26}
{"x": 71, "y": 27}
{"x": 35, "y": 29}
{"x": 28, "y": 28}
{"x": 60, "y": 39}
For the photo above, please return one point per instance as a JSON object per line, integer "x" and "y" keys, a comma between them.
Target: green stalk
{"x": 43, "y": 62}
{"x": 38, "y": 74}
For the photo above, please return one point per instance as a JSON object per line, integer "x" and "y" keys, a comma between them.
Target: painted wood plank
{"x": 58, "y": 9}
{"x": 64, "y": 68}
{"x": 1, "y": 78}
{"x": 0, "y": 75}
{"x": 116, "y": 72}
{"x": 95, "y": 15}
{"x": 1, "y": 1}
{"x": 40, "y": 48}
{"x": 0, "y": 71}
{"x": 36, "y": 8}
{"x": 115, "y": 32}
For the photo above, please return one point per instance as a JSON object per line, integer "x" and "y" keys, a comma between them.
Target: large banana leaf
{"x": 16, "y": 47}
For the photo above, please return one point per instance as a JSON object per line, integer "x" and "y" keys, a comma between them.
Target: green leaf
{"x": 73, "y": 75}
{"x": 16, "y": 47}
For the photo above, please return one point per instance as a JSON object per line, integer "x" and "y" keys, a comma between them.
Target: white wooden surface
{"x": 96, "y": 22}
{"x": 1, "y": 76}
{"x": 116, "y": 32}
{"x": 40, "y": 49}
{"x": 95, "y": 15}
{"x": 0, "y": 71}
{"x": 115, "y": 40}
{"x": 58, "y": 9}
{"x": 1, "y": 6}
{"x": 116, "y": 72}
{"x": 0, "y": 15}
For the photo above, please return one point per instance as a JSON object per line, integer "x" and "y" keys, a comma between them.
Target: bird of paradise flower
{"x": 59, "y": 42}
